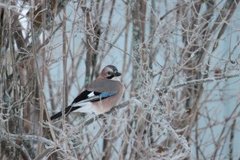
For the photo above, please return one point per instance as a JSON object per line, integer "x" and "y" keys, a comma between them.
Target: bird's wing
{"x": 82, "y": 96}
{"x": 98, "y": 90}
{"x": 91, "y": 96}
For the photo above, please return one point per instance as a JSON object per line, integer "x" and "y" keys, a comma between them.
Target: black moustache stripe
{"x": 110, "y": 77}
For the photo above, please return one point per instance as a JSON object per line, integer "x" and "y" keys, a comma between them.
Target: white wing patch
{"x": 91, "y": 94}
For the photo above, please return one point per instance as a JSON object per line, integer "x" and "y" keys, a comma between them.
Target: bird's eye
{"x": 109, "y": 73}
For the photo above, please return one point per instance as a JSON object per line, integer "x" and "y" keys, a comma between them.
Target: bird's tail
{"x": 68, "y": 110}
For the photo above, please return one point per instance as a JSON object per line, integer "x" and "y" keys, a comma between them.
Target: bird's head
{"x": 110, "y": 72}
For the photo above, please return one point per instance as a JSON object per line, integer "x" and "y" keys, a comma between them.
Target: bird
{"x": 98, "y": 97}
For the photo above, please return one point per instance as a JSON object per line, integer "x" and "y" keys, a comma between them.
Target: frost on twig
{"x": 181, "y": 140}
{"x": 197, "y": 81}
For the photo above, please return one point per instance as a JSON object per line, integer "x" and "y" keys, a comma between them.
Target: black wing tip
{"x": 68, "y": 110}
{"x": 55, "y": 116}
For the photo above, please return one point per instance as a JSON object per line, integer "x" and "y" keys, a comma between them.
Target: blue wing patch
{"x": 91, "y": 96}
{"x": 101, "y": 96}
{"x": 106, "y": 95}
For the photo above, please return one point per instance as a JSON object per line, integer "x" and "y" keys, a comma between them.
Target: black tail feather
{"x": 68, "y": 110}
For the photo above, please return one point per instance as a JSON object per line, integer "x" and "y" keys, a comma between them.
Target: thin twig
{"x": 197, "y": 81}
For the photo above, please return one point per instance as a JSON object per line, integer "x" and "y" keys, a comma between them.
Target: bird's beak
{"x": 117, "y": 74}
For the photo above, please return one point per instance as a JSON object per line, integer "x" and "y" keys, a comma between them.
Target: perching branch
{"x": 197, "y": 81}
{"x": 113, "y": 110}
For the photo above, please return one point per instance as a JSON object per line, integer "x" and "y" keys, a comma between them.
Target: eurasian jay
{"x": 100, "y": 96}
